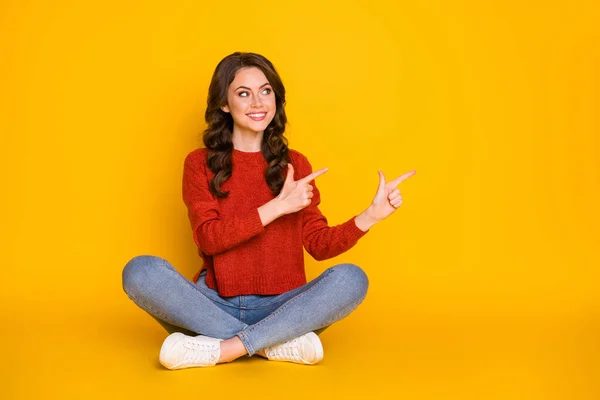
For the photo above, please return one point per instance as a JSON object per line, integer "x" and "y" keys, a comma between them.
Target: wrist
{"x": 365, "y": 220}
{"x": 277, "y": 207}
{"x": 270, "y": 211}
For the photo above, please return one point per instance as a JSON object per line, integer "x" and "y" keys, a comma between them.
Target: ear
{"x": 225, "y": 108}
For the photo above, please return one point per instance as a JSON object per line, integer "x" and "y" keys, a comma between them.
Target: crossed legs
{"x": 175, "y": 302}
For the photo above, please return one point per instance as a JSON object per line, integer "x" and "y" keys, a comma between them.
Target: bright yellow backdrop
{"x": 484, "y": 283}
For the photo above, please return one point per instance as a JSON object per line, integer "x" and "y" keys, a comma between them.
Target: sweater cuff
{"x": 355, "y": 232}
{"x": 251, "y": 223}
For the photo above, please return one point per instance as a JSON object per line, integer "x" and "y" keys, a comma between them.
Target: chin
{"x": 260, "y": 126}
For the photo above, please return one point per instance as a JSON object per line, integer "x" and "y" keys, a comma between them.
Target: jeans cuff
{"x": 244, "y": 338}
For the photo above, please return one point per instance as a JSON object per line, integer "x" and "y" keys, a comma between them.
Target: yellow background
{"x": 483, "y": 284}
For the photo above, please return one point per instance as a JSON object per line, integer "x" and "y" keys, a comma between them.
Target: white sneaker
{"x": 182, "y": 351}
{"x": 305, "y": 349}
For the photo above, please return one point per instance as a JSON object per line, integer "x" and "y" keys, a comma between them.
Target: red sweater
{"x": 241, "y": 255}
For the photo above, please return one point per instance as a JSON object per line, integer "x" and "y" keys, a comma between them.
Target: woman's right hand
{"x": 296, "y": 195}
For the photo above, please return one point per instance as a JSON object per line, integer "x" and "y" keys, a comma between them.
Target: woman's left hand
{"x": 388, "y": 197}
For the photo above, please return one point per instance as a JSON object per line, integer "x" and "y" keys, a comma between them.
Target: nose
{"x": 256, "y": 101}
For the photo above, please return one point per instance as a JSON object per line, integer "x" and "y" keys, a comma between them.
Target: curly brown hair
{"x": 217, "y": 137}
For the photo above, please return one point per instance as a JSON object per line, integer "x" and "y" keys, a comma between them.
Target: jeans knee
{"x": 139, "y": 271}
{"x": 353, "y": 280}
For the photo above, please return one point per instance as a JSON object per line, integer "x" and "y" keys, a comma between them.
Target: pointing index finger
{"x": 310, "y": 177}
{"x": 401, "y": 178}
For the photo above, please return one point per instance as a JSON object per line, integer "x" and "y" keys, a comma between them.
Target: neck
{"x": 247, "y": 141}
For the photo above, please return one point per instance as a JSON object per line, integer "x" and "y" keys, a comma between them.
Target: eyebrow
{"x": 244, "y": 87}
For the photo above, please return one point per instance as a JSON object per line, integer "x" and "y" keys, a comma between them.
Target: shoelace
{"x": 198, "y": 351}
{"x": 285, "y": 351}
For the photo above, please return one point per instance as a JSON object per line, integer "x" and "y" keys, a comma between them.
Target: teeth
{"x": 257, "y": 115}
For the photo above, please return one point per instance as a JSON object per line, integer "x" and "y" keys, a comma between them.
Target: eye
{"x": 244, "y": 91}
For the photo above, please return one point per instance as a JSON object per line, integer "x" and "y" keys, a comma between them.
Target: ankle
{"x": 224, "y": 356}
{"x": 261, "y": 353}
{"x": 231, "y": 349}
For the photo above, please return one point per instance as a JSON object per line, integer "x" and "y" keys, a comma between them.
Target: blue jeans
{"x": 259, "y": 321}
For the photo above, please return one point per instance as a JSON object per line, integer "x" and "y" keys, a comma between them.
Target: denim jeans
{"x": 260, "y": 321}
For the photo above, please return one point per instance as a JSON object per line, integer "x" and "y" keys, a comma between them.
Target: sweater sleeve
{"x": 213, "y": 233}
{"x": 320, "y": 240}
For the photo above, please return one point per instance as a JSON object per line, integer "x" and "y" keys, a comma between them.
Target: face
{"x": 251, "y": 101}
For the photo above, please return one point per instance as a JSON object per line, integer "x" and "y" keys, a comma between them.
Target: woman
{"x": 253, "y": 209}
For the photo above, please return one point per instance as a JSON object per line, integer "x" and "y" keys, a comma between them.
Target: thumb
{"x": 290, "y": 173}
{"x": 381, "y": 187}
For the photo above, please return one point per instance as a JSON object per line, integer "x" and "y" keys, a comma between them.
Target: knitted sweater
{"x": 241, "y": 255}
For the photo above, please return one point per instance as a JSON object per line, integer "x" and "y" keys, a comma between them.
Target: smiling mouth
{"x": 257, "y": 116}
